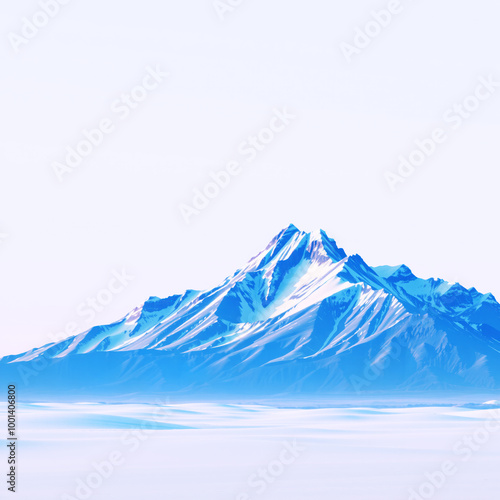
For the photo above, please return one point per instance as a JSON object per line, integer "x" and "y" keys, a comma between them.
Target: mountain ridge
{"x": 301, "y": 316}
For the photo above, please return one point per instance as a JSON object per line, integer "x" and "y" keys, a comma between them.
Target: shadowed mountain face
{"x": 301, "y": 317}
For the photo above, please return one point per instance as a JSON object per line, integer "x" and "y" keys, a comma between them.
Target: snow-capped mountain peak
{"x": 301, "y": 315}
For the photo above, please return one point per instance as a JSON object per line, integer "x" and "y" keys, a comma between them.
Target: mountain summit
{"x": 301, "y": 317}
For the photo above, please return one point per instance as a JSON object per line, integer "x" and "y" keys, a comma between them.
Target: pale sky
{"x": 119, "y": 208}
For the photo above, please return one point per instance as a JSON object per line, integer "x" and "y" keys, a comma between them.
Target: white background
{"x": 120, "y": 208}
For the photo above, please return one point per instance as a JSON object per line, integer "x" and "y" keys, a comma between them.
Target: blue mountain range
{"x": 301, "y": 317}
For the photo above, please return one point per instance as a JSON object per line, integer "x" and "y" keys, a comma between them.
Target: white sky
{"x": 120, "y": 207}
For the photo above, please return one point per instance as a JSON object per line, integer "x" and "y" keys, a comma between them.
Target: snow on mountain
{"x": 300, "y": 317}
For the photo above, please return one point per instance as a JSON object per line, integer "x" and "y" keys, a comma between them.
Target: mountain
{"x": 301, "y": 317}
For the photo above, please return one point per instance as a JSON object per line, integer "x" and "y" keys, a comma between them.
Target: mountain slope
{"x": 300, "y": 317}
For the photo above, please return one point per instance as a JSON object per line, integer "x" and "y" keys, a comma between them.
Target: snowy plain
{"x": 210, "y": 451}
